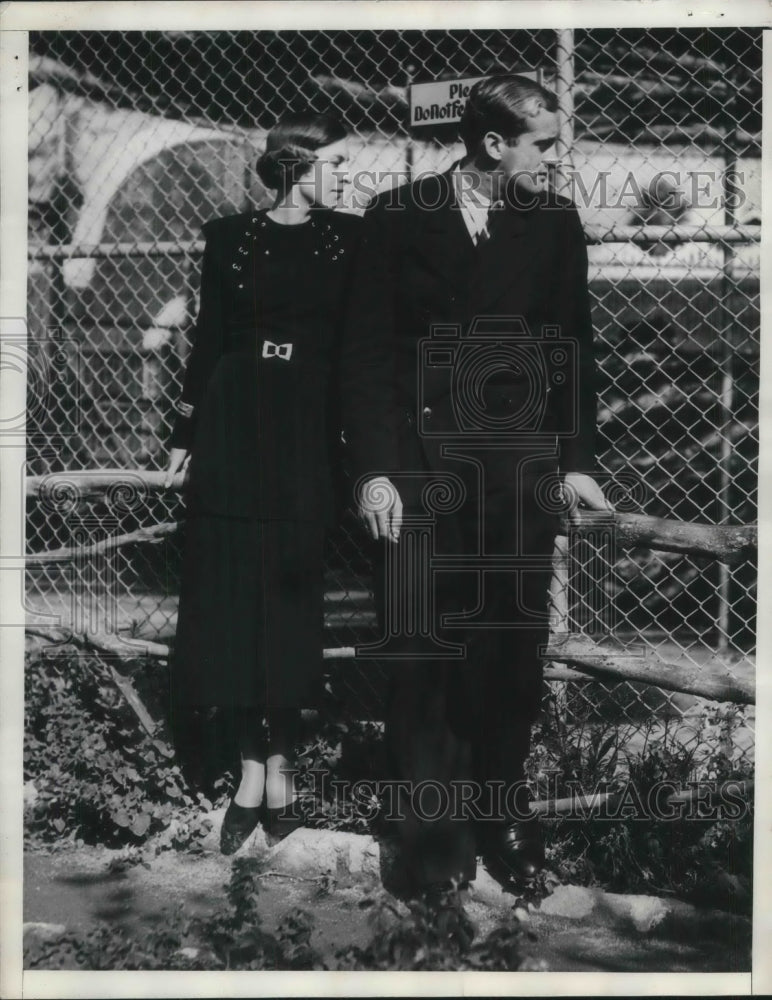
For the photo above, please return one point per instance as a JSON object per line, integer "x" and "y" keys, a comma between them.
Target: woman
{"x": 271, "y": 357}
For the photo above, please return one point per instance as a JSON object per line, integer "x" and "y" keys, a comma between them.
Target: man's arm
{"x": 367, "y": 376}
{"x": 577, "y": 407}
{"x": 367, "y": 352}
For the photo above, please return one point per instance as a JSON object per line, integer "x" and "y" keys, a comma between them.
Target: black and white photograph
{"x": 381, "y": 459}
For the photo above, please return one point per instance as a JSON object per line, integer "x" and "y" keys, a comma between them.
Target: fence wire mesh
{"x": 137, "y": 138}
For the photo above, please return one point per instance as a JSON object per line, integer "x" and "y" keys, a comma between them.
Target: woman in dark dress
{"x": 269, "y": 367}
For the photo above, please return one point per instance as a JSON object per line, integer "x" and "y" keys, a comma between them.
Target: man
{"x": 477, "y": 278}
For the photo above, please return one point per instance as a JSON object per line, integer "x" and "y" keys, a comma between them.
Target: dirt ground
{"x": 575, "y": 930}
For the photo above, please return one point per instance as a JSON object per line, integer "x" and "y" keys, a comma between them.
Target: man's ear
{"x": 493, "y": 144}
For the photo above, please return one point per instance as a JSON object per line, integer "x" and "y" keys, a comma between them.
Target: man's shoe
{"x": 238, "y": 823}
{"x": 516, "y": 849}
{"x": 446, "y": 911}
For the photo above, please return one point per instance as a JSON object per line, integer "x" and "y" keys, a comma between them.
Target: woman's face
{"x": 323, "y": 183}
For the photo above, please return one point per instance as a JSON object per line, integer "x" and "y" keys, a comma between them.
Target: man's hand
{"x": 582, "y": 489}
{"x": 380, "y": 507}
{"x": 179, "y": 459}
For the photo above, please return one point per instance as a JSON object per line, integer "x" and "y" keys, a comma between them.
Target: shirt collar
{"x": 470, "y": 196}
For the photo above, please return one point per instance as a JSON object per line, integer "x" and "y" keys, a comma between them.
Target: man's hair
{"x": 502, "y": 104}
{"x": 291, "y": 145}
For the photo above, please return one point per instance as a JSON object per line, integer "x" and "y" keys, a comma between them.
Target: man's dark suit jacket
{"x": 417, "y": 267}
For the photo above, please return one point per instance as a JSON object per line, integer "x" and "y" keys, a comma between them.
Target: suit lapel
{"x": 501, "y": 263}
{"x": 479, "y": 275}
{"x": 443, "y": 240}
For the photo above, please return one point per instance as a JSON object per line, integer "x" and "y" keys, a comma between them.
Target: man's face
{"x": 524, "y": 159}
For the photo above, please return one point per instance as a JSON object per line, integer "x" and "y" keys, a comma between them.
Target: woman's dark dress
{"x": 267, "y": 368}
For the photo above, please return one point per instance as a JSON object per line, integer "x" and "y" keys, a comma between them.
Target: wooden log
{"x": 725, "y": 542}
{"x": 104, "y": 642}
{"x": 729, "y": 543}
{"x": 152, "y": 534}
{"x": 126, "y": 485}
{"x": 559, "y": 585}
{"x": 118, "y": 646}
{"x": 716, "y": 681}
{"x": 583, "y": 804}
{"x": 132, "y": 699}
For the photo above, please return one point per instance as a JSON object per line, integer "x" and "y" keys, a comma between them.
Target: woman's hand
{"x": 179, "y": 459}
{"x": 380, "y": 507}
{"x": 582, "y": 489}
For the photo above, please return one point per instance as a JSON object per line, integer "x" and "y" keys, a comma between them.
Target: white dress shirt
{"x": 474, "y": 205}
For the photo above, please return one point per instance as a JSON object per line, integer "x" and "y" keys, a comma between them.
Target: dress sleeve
{"x": 576, "y": 405}
{"x": 207, "y": 338}
{"x": 368, "y": 353}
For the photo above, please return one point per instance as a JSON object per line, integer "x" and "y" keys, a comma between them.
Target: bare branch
{"x": 716, "y": 680}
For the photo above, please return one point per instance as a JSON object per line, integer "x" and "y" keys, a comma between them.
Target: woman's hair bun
{"x": 280, "y": 168}
{"x": 290, "y": 147}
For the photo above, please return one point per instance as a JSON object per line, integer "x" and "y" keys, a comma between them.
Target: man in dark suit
{"x": 477, "y": 278}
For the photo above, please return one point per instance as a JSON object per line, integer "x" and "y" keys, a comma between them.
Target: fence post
{"x": 564, "y": 90}
{"x": 564, "y": 83}
{"x": 409, "y": 151}
{"x": 727, "y": 349}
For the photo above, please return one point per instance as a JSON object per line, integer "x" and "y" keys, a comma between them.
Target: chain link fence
{"x": 137, "y": 138}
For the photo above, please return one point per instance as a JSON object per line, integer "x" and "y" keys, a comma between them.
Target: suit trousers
{"x": 458, "y": 726}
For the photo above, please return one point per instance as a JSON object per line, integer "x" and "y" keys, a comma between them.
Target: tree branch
{"x": 716, "y": 681}
{"x": 729, "y": 543}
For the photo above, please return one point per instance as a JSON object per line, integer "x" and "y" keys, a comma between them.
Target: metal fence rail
{"x": 135, "y": 139}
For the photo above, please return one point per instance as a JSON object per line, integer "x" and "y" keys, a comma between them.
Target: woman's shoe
{"x": 281, "y": 821}
{"x": 238, "y": 823}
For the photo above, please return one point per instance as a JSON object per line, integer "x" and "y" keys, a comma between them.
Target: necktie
{"x": 484, "y": 233}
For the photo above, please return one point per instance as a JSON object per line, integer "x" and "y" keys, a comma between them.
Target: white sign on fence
{"x": 443, "y": 101}
{"x": 440, "y": 102}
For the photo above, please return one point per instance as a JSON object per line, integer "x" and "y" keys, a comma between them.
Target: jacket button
{"x": 427, "y": 411}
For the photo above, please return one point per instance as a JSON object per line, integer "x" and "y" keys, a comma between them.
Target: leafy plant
{"x": 415, "y": 942}
{"x": 99, "y": 777}
{"x": 705, "y": 860}
{"x": 339, "y": 753}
